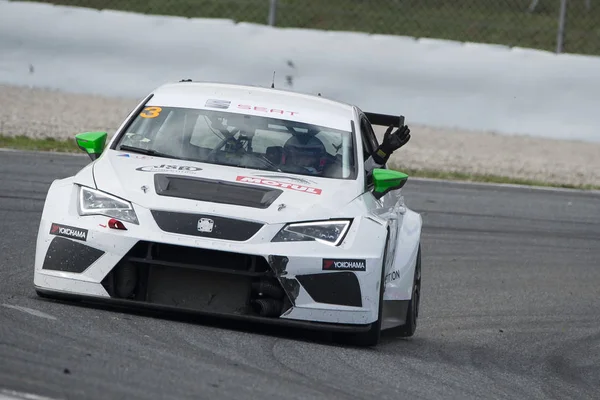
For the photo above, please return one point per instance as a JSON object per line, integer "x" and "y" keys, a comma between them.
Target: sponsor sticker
{"x": 283, "y": 185}
{"x": 288, "y": 178}
{"x": 225, "y": 104}
{"x": 137, "y": 156}
{"x": 392, "y": 276}
{"x": 215, "y": 103}
{"x": 266, "y": 110}
{"x": 68, "y": 231}
{"x": 344, "y": 265}
{"x": 185, "y": 169}
{"x": 151, "y": 112}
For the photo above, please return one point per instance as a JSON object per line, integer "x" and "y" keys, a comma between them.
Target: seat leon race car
{"x": 239, "y": 202}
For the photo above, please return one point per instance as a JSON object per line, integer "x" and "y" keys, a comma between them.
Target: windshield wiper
{"x": 147, "y": 152}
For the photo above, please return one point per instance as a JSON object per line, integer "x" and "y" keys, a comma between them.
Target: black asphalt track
{"x": 510, "y": 310}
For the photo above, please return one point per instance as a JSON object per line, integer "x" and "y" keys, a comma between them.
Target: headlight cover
{"x": 329, "y": 232}
{"x": 95, "y": 202}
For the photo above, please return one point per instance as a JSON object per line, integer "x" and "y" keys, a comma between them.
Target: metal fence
{"x": 571, "y": 26}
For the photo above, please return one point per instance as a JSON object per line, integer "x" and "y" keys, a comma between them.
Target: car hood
{"x": 167, "y": 184}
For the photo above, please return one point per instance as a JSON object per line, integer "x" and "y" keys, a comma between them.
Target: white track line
{"x": 30, "y": 311}
{"x": 13, "y": 395}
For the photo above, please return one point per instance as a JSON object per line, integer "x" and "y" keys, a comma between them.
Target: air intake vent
{"x": 215, "y": 191}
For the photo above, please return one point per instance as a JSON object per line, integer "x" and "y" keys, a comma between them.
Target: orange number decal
{"x": 150, "y": 112}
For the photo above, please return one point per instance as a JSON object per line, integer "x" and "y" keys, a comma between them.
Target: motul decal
{"x": 283, "y": 185}
{"x": 344, "y": 265}
{"x": 289, "y": 178}
{"x": 68, "y": 231}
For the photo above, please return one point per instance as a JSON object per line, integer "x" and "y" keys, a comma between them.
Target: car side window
{"x": 370, "y": 135}
{"x": 369, "y": 146}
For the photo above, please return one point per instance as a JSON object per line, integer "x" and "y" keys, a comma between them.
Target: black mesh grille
{"x": 197, "y": 258}
{"x": 206, "y": 225}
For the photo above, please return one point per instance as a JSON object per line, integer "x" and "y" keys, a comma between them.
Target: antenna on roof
{"x": 273, "y": 82}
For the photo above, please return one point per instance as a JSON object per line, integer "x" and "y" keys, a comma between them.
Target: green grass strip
{"x": 46, "y": 144}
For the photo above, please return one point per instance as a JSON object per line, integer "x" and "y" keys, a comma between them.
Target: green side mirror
{"x": 92, "y": 143}
{"x": 386, "y": 180}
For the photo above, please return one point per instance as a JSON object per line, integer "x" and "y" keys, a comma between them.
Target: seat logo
{"x": 205, "y": 225}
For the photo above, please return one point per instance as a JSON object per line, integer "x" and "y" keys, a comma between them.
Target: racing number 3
{"x": 150, "y": 112}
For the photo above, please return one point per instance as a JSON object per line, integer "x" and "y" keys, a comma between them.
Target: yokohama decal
{"x": 344, "y": 265}
{"x": 283, "y": 185}
{"x": 68, "y": 231}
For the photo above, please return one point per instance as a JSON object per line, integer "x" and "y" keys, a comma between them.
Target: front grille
{"x": 198, "y": 279}
{"x": 205, "y": 225}
{"x": 170, "y": 255}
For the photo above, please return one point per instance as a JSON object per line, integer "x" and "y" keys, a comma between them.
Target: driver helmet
{"x": 305, "y": 151}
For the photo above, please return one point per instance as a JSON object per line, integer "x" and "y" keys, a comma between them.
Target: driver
{"x": 309, "y": 153}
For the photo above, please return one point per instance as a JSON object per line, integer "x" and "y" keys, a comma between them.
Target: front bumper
{"x": 147, "y": 267}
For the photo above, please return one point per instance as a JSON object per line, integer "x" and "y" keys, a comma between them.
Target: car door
{"x": 387, "y": 207}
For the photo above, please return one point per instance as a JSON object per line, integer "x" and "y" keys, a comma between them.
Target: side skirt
{"x": 394, "y": 313}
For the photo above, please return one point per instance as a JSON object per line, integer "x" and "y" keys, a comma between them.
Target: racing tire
{"x": 412, "y": 314}
{"x": 371, "y": 337}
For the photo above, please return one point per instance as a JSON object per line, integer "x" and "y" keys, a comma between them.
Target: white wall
{"x": 436, "y": 83}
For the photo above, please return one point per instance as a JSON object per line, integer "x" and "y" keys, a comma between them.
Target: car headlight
{"x": 328, "y": 232}
{"x": 95, "y": 202}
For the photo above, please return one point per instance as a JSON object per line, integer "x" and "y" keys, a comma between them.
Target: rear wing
{"x": 384, "y": 119}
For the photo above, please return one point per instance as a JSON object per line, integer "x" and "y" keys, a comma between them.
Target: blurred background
{"x": 82, "y": 70}
{"x": 570, "y": 26}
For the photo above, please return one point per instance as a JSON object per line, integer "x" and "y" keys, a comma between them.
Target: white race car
{"x": 241, "y": 202}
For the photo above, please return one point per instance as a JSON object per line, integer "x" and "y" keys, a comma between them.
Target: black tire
{"x": 371, "y": 337}
{"x": 412, "y": 314}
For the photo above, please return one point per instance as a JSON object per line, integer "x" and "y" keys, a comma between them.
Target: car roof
{"x": 255, "y": 100}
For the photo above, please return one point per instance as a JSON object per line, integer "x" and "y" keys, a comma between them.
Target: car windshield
{"x": 239, "y": 140}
